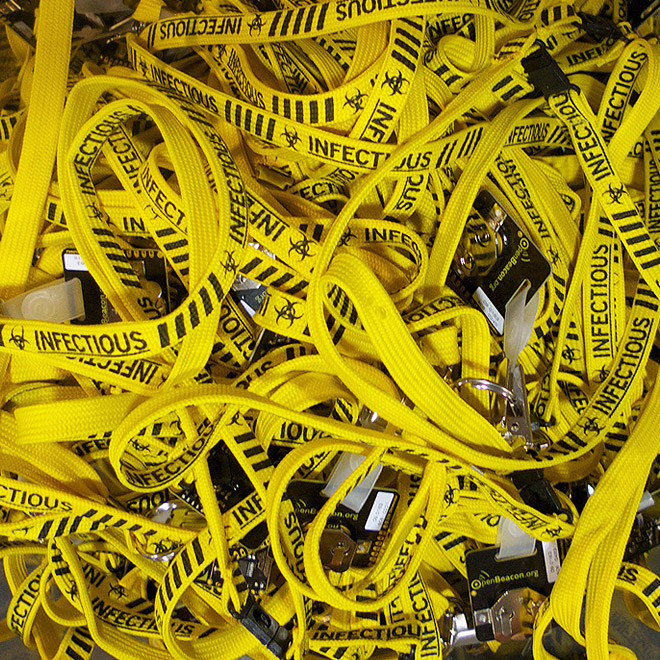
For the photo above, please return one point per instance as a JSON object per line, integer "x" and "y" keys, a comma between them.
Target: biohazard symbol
{"x": 287, "y": 312}
{"x": 450, "y": 495}
{"x": 554, "y": 256}
{"x": 118, "y": 591}
{"x": 553, "y": 531}
{"x": 230, "y": 264}
{"x": 301, "y": 247}
{"x": 591, "y": 426}
{"x": 97, "y": 214}
{"x": 355, "y": 101}
{"x": 162, "y": 547}
{"x": 615, "y": 194}
{"x": 602, "y": 375}
{"x": 291, "y": 137}
{"x": 255, "y": 25}
{"x": 346, "y": 237}
{"x": 19, "y": 340}
{"x": 234, "y": 419}
{"x": 73, "y": 591}
{"x": 570, "y": 354}
{"x": 138, "y": 446}
{"x": 395, "y": 83}
{"x": 143, "y": 68}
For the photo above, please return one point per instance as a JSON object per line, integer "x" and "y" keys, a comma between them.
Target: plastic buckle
{"x": 265, "y": 628}
{"x": 544, "y": 73}
{"x": 599, "y": 28}
{"x": 536, "y": 491}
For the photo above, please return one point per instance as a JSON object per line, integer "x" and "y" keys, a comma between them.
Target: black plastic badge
{"x": 489, "y": 579}
{"x": 350, "y": 539}
{"x": 494, "y": 259}
{"x": 150, "y": 267}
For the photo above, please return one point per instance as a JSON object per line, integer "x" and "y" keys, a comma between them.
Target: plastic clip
{"x": 544, "y": 73}
{"x": 599, "y": 28}
{"x": 536, "y": 491}
{"x": 265, "y": 628}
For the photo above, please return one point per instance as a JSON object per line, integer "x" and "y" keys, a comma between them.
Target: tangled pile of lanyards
{"x": 314, "y": 314}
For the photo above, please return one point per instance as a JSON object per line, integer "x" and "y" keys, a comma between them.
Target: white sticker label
{"x": 487, "y": 307}
{"x": 73, "y": 261}
{"x": 379, "y": 511}
{"x": 552, "y": 562}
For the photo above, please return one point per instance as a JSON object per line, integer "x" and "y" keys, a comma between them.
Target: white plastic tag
{"x": 513, "y": 541}
{"x": 519, "y": 322}
{"x": 57, "y": 302}
{"x": 356, "y": 498}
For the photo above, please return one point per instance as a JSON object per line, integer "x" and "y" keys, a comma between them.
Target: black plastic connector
{"x": 265, "y": 628}
{"x": 599, "y": 28}
{"x": 544, "y": 73}
{"x": 536, "y": 491}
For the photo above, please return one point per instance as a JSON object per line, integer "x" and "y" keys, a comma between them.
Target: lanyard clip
{"x": 537, "y": 492}
{"x": 519, "y": 317}
{"x": 19, "y": 15}
{"x": 455, "y": 632}
{"x": 120, "y": 29}
{"x": 544, "y": 73}
{"x": 265, "y": 628}
{"x": 599, "y": 28}
{"x": 511, "y": 616}
{"x": 517, "y": 413}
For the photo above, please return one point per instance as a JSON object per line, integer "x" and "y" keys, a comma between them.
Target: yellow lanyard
{"x": 292, "y": 233}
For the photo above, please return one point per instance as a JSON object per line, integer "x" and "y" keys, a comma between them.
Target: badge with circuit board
{"x": 151, "y": 269}
{"x": 350, "y": 538}
{"x": 505, "y": 594}
{"x": 494, "y": 259}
